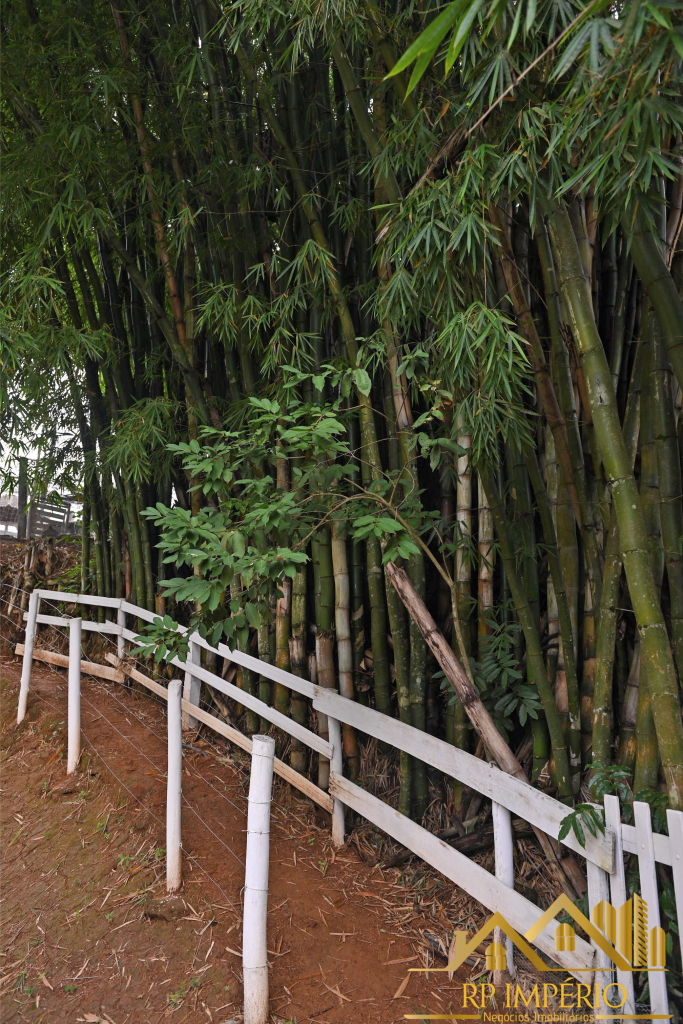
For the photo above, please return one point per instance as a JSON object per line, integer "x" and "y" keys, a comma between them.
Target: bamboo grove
{"x": 309, "y": 299}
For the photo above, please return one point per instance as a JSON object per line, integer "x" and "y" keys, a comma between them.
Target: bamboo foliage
{"x": 294, "y": 314}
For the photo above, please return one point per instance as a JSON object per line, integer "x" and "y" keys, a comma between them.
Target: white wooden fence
{"x": 604, "y": 853}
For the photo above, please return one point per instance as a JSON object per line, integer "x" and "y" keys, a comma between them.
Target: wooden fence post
{"x": 74, "y": 702}
{"x": 29, "y": 643}
{"x": 174, "y": 864}
{"x": 598, "y": 890}
{"x": 617, "y": 885}
{"x": 647, "y": 869}
{"x": 338, "y": 826}
{"x": 504, "y": 867}
{"x": 192, "y": 686}
{"x": 255, "y": 917}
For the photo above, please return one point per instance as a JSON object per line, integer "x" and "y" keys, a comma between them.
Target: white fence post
{"x": 505, "y": 866}
{"x": 120, "y": 640}
{"x": 174, "y": 864}
{"x": 74, "y": 705}
{"x": 598, "y": 890}
{"x": 338, "y": 827}
{"x": 617, "y": 885}
{"x": 647, "y": 868}
{"x": 675, "y": 823}
{"x": 255, "y": 917}
{"x": 192, "y": 686}
{"x": 29, "y": 642}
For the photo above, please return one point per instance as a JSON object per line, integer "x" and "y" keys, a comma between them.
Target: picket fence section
{"x": 604, "y": 853}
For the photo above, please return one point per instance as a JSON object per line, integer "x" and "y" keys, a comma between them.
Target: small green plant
{"x": 69, "y": 989}
{"x": 83, "y": 793}
{"x": 124, "y": 862}
{"x": 29, "y": 990}
{"x": 500, "y": 680}
{"x": 583, "y": 815}
{"x": 160, "y": 853}
{"x": 613, "y": 779}
{"x": 110, "y": 916}
{"x": 659, "y": 803}
{"x": 195, "y": 983}
{"x": 176, "y": 998}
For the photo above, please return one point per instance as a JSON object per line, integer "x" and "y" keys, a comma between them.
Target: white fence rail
{"x": 604, "y": 853}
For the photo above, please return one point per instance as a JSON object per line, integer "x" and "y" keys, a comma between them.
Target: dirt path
{"x": 87, "y": 931}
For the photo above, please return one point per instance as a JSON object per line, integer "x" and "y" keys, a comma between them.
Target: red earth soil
{"x": 88, "y": 933}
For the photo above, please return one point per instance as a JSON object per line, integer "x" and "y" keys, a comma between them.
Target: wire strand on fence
{"x": 156, "y": 767}
{"x": 162, "y": 704}
{"x": 144, "y": 807}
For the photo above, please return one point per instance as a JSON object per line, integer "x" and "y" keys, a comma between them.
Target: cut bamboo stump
{"x": 174, "y": 864}
{"x": 74, "y": 706}
{"x": 255, "y": 920}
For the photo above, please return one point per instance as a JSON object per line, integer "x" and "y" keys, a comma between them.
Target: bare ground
{"x": 88, "y": 933}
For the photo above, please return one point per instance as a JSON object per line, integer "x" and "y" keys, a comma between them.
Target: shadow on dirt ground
{"x": 88, "y": 933}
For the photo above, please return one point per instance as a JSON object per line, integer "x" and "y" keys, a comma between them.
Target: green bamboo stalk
{"x": 535, "y": 663}
{"x": 647, "y": 750}
{"x": 357, "y": 574}
{"x": 565, "y": 387}
{"x": 624, "y": 274}
{"x": 565, "y": 622}
{"x": 649, "y": 477}
{"x": 486, "y": 568}
{"x": 523, "y": 516}
{"x": 588, "y": 677}
{"x": 418, "y": 687}
{"x": 117, "y": 555}
{"x": 655, "y": 645}
{"x": 550, "y": 467}
{"x": 265, "y": 653}
{"x": 626, "y": 754}
{"x": 658, "y": 285}
{"x": 670, "y": 485}
{"x": 148, "y": 562}
{"x": 400, "y": 636}
{"x": 607, "y": 630}
{"x": 134, "y": 542}
{"x": 282, "y": 633}
{"x": 342, "y": 622}
{"x": 85, "y": 542}
{"x": 245, "y": 677}
{"x": 298, "y": 659}
{"x": 463, "y": 568}
{"x": 324, "y": 641}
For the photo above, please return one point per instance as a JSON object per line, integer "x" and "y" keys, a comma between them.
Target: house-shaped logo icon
{"x": 621, "y": 934}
